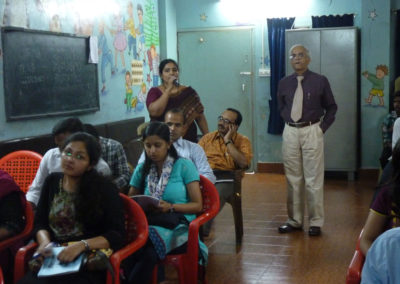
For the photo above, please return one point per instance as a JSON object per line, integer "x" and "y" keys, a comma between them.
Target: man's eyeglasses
{"x": 224, "y": 120}
{"x": 299, "y": 56}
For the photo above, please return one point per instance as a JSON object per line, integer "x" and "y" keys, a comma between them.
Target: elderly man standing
{"x": 307, "y": 106}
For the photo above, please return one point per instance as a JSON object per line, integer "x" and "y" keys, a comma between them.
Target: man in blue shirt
{"x": 175, "y": 120}
{"x": 382, "y": 263}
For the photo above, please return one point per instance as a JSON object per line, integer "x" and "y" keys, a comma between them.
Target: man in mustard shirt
{"x": 226, "y": 150}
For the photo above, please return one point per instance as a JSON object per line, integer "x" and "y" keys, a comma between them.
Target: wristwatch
{"x": 226, "y": 143}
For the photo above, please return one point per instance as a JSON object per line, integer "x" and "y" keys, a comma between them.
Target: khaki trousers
{"x": 303, "y": 159}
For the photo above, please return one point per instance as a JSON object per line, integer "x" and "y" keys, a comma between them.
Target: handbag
{"x": 93, "y": 260}
{"x": 169, "y": 220}
{"x": 97, "y": 259}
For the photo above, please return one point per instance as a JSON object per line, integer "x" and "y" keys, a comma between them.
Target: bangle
{"x": 87, "y": 248}
{"x": 172, "y": 209}
{"x": 229, "y": 141}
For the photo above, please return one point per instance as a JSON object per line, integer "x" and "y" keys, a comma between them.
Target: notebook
{"x": 146, "y": 201}
{"x": 52, "y": 266}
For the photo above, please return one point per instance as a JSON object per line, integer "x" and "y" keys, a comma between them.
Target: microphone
{"x": 176, "y": 83}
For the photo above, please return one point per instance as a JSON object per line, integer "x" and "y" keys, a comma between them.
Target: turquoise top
{"x": 183, "y": 172}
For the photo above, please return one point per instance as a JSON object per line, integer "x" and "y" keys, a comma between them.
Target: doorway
{"x": 218, "y": 64}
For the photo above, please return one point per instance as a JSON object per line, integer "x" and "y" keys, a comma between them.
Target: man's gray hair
{"x": 300, "y": 45}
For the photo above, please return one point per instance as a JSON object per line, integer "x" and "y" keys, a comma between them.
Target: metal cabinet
{"x": 334, "y": 54}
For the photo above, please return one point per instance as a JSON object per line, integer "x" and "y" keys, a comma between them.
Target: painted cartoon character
{"x": 55, "y": 25}
{"x": 141, "y": 96}
{"x": 119, "y": 40}
{"x": 377, "y": 83}
{"x": 140, "y": 30}
{"x": 106, "y": 56}
{"x": 154, "y": 61}
{"x": 130, "y": 26}
{"x": 128, "y": 92}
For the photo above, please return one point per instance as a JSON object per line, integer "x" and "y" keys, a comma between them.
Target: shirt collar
{"x": 305, "y": 74}
{"x": 179, "y": 142}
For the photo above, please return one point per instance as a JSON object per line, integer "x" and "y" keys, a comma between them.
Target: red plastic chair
{"x": 22, "y": 166}
{"x": 24, "y": 235}
{"x": 1, "y": 277}
{"x": 355, "y": 268}
{"x": 187, "y": 263}
{"x": 137, "y": 232}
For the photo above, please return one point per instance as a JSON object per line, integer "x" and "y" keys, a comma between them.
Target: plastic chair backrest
{"x": 22, "y": 166}
{"x": 26, "y": 232}
{"x": 135, "y": 219}
{"x": 355, "y": 268}
{"x": 137, "y": 231}
{"x": 187, "y": 263}
{"x": 24, "y": 235}
{"x": 1, "y": 277}
{"x": 210, "y": 197}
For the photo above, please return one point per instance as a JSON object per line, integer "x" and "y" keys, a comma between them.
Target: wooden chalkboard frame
{"x": 64, "y": 83}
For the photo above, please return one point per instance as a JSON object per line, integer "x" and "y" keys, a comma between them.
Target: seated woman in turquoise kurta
{"x": 173, "y": 180}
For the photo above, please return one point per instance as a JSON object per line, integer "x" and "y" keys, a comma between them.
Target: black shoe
{"x": 314, "y": 231}
{"x": 287, "y": 228}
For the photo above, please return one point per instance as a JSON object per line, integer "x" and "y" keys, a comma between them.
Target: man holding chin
{"x": 226, "y": 150}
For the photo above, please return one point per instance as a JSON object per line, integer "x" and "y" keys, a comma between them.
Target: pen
{"x": 38, "y": 254}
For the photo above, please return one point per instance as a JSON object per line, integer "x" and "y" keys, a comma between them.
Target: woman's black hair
{"x": 165, "y": 62}
{"x": 88, "y": 197}
{"x": 161, "y": 130}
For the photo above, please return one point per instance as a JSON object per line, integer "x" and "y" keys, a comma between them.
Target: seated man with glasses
{"x": 226, "y": 150}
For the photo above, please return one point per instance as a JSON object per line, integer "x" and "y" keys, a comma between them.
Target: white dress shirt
{"x": 396, "y": 132}
{"x": 51, "y": 163}
{"x": 193, "y": 152}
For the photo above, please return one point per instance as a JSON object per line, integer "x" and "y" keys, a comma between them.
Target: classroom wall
{"x": 109, "y": 21}
{"x": 373, "y": 18}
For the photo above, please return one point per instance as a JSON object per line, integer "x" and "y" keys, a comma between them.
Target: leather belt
{"x": 302, "y": 124}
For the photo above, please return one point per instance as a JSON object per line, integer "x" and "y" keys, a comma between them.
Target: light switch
{"x": 264, "y": 72}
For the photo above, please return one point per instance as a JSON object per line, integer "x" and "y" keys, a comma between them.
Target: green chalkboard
{"x": 47, "y": 74}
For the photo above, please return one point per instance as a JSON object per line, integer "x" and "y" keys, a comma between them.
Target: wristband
{"x": 226, "y": 143}
{"x": 87, "y": 248}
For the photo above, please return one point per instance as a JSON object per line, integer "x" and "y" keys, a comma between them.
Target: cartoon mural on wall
{"x": 128, "y": 92}
{"x": 130, "y": 26}
{"x": 119, "y": 40}
{"x": 154, "y": 61}
{"x": 376, "y": 79}
{"x": 140, "y": 31}
{"x": 106, "y": 58}
{"x": 128, "y": 40}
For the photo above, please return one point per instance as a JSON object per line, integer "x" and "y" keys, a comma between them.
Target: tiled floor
{"x": 265, "y": 256}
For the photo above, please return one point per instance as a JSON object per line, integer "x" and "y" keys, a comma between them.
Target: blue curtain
{"x": 331, "y": 21}
{"x": 276, "y": 41}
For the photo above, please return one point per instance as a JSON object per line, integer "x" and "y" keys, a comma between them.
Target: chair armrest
{"x": 355, "y": 268}
{"x": 117, "y": 257}
{"x": 22, "y": 257}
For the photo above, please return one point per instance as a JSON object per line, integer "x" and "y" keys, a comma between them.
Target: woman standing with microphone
{"x": 170, "y": 94}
